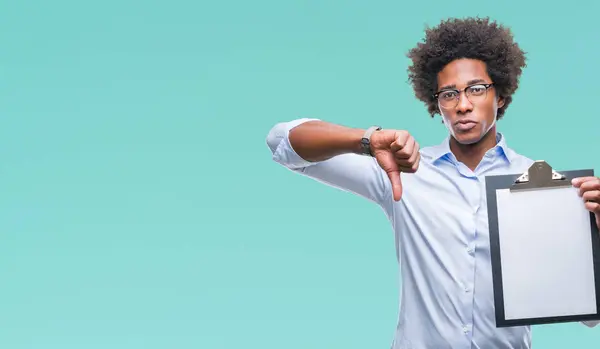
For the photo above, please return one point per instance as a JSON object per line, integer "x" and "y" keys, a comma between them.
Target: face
{"x": 469, "y": 115}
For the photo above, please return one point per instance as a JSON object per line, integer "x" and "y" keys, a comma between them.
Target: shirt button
{"x": 465, "y": 329}
{"x": 470, "y": 250}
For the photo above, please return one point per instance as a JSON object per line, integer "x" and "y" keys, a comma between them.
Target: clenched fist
{"x": 395, "y": 151}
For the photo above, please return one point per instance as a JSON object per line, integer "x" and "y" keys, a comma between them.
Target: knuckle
{"x": 402, "y": 134}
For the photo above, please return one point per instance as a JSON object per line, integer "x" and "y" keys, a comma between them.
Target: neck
{"x": 471, "y": 154}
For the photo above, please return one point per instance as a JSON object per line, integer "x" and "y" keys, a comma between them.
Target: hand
{"x": 589, "y": 190}
{"x": 395, "y": 151}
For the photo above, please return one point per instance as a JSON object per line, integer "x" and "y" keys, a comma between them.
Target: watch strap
{"x": 366, "y": 140}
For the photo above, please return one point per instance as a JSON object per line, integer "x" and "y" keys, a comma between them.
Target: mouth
{"x": 465, "y": 125}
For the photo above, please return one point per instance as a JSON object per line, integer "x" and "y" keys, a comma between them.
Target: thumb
{"x": 394, "y": 177}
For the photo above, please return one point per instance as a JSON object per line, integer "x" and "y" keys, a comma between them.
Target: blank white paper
{"x": 545, "y": 253}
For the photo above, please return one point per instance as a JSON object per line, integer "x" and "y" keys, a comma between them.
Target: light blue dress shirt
{"x": 442, "y": 239}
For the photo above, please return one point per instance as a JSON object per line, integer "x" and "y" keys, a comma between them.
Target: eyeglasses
{"x": 475, "y": 93}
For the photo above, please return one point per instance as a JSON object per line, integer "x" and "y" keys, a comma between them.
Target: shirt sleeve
{"x": 353, "y": 173}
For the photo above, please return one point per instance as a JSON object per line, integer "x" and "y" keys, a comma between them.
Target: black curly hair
{"x": 475, "y": 38}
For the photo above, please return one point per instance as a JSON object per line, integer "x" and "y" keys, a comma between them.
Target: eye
{"x": 448, "y": 95}
{"x": 477, "y": 90}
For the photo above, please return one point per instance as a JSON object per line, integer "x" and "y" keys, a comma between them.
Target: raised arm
{"x": 333, "y": 155}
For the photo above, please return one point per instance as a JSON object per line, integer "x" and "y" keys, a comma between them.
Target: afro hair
{"x": 474, "y": 38}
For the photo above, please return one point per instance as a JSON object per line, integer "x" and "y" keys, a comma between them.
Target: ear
{"x": 500, "y": 102}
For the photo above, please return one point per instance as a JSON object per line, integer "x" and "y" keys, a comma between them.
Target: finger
{"x": 593, "y": 207}
{"x": 408, "y": 162}
{"x": 415, "y": 154}
{"x": 411, "y": 167}
{"x": 406, "y": 169}
{"x": 400, "y": 142}
{"x": 592, "y": 195}
{"x": 580, "y": 180}
{"x": 414, "y": 158}
{"x": 589, "y": 185}
{"x": 417, "y": 161}
{"x": 394, "y": 177}
{"x": 407, "y": 150}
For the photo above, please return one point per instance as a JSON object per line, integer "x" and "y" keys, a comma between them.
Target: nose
{"x": 464, "y": 105}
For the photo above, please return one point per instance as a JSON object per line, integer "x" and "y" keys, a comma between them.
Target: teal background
{"x": 140, "y": 206}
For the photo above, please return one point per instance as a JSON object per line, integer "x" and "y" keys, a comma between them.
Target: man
{"x": 467, "y": 71}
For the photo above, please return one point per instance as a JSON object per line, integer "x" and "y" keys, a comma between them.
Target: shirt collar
{"x": 443, "y": 149}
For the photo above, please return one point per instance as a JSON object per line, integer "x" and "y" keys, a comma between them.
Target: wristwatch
{"x": 366, "y": 140}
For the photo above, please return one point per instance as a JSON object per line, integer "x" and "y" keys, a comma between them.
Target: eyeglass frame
{"x": 437, "y": 94}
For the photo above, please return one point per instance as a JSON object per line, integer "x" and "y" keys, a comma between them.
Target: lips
{"x": 465, "y": 125}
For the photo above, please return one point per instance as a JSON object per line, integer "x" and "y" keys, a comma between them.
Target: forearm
{"x": 302, "y": 145}
{"x": 319, "y": 140}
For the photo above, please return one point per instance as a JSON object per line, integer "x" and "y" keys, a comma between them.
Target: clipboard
{"x": 545, "y": 248}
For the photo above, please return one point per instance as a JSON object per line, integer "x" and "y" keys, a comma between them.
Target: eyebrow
{"x": 470, "y": 82}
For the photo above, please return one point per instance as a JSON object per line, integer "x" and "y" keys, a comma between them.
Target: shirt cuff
{"x": 279, "y": 142}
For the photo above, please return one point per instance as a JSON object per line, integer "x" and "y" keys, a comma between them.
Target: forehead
{"x": 461, "y": 72}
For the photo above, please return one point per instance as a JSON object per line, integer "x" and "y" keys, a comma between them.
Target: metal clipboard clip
{"x": 540, "y": 176}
